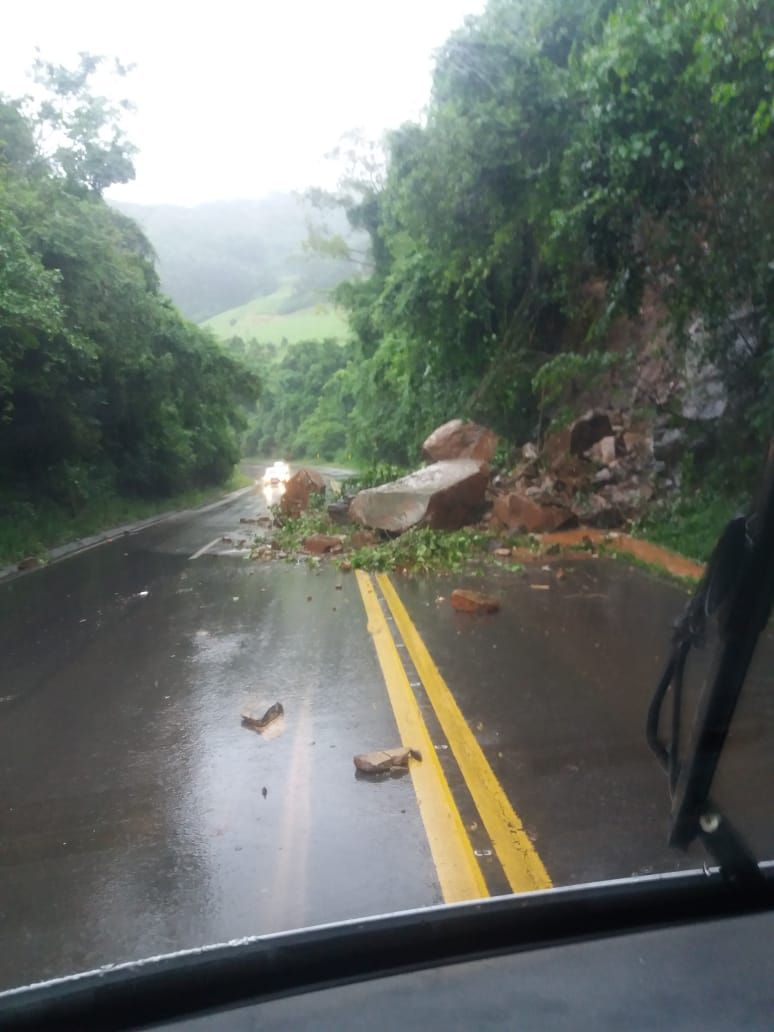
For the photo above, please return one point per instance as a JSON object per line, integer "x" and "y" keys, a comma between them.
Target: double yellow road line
{"x": 459, "y": 872}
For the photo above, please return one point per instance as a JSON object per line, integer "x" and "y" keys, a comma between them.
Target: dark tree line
{"x": 104, "y": 386}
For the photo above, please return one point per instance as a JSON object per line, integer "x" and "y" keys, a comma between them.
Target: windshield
{"x": 374, "y": 387}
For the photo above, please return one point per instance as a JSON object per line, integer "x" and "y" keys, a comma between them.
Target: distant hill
{"x": 215, "y": 257}
{"x": 284, "y": 315}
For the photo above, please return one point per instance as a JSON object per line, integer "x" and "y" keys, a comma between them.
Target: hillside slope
{"x": 267, "y": 320}
{"x": 217, "y": 256}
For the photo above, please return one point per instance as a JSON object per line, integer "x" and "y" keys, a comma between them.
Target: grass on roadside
{"x": 689, "y": 525}
{"x": 30, "y": 527}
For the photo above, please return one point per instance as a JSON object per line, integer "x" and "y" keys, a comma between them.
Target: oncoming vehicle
{"x": 277, "y": 473}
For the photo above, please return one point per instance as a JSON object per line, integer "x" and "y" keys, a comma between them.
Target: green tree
{"x": 79, "y": 131}
{"x": 103, "y": 385}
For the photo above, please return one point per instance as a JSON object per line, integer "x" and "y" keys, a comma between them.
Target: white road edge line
{"x": 206, "y": 548}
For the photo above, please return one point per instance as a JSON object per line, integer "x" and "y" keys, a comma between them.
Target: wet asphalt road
{"x": 133, "y": 817}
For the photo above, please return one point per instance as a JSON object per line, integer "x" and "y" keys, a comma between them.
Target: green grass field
{"x": 259, "y": 320}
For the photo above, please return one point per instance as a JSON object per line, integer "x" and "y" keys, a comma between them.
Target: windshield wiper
{"x": 736, "y": 593}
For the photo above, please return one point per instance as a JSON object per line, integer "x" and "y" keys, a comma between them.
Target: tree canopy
{"x": 606, "y": 142}
{"x": 103, "y": 385}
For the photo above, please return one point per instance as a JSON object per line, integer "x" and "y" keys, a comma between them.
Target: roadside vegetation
{"x": 420, "y": 550}
{"x": 111, "y": 403}
{"x": 585, "y": 216}
{"x": 692, "y": 521}
{"x": 298, "y": 414}
{"x": 30, "y": 527}
{"x": 423, "y": 551}
{"x": 590, "y": 194}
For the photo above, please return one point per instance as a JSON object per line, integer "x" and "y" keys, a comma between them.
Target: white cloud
{"x": 237, "y": 99}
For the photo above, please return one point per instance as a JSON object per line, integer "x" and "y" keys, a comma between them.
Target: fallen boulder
{"x": 465, "y": 600}
{"x": 523, "y": 514}
{"x": 299, "y": 489}
{"x": 460, "y": 440}
{"x": 319, "y": 544}
{"x": 444, "y": 496}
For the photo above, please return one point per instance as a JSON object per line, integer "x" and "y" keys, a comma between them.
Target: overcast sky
{"x": 237, "y": 99}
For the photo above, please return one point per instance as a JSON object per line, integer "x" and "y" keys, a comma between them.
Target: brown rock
{"x": 444, "y": 496}
{"x": 586, "y": 431}
{"x": 338, "y": 511}
{"x": 524, "y": 472}
{"x": 459, "y": 440}
{"x": 548, "y": 488}
{"x": 639, "y": 445}
{"x": 257, "y": 723}
{"x": 629, "y": 498}
{"x": 345, "y": 566}
{"x": 299, "y": 489}
{"x": 520, "y": 513}
{"x": 319, "y": 544}
{"x": 603, "y": 451}
{"x": 363, "y": 538}
{"x": 385, "y": 760}
{"x": 467, "y": 601}
{"x": 31, "y": 562}
{"x": 572, "y": 473}
{"x": 556, "y": 448}
{"x": 597, "y": 511}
